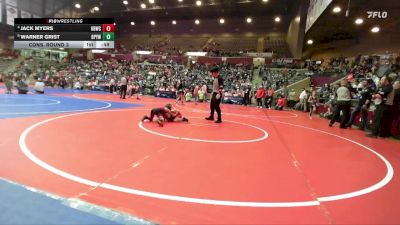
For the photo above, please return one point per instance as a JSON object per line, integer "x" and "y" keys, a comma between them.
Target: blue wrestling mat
{"x": 12, "y": 106}
{"x": 23, "y": 205}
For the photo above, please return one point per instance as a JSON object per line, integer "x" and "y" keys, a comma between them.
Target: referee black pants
{"x": 123, "y": 91}
{"x": 214, "y": 105}
{"x": 344, "y": 107}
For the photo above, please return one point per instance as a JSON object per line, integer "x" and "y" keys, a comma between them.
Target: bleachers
{"x": 187, "y": 43}
{"x": 320, "y": 79}
{"x": 279, "y": 47}
{"x": 4, "y": 64}
{"x": 141, "y": 42}
{"x": 7, "y": 63}
{"x": 167, "y": 44}
{"x": 222, "y": 44}
{"x": 279, "y": 77}
{"x": 236, "y": 44}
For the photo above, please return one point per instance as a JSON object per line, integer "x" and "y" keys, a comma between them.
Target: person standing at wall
{"x": 343, "y": 104}
{"x": 362, "y": 107}
{"x": 247, "y": 100}
{"x": 383, "y": 115}
{"x": 260, "y": 94}
{"x": 196, "y": 94}
{"x": 269, "y": 98}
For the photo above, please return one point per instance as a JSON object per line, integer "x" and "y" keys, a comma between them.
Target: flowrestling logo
{"x": 377, "y": 14}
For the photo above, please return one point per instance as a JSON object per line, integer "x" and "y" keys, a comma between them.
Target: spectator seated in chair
{"x": 39, "y": 86}
{"x": 201, "y": 95}
{"x": 188, "y": 96}
{"x": 281, "y": 103}
{"x": 22, "y": 87}
{"x": 78, "y": 86}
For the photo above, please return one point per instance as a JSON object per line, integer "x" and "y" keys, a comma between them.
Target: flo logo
{"x": 377, "y": 14}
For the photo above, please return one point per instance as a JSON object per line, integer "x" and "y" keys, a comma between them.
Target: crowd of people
{"x": 370, "y": 92}
{"x": 107, "y": 74}
{"x": 385, "y": 98}
{"x": 363, "y": 82}
{"x": 237, "y": 78}
{"x": 17, "y": 80}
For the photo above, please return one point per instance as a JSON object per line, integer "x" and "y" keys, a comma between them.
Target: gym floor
{"x": 259, "y": 166}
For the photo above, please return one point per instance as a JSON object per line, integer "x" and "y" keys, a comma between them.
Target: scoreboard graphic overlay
{"x": 90, "y": 33}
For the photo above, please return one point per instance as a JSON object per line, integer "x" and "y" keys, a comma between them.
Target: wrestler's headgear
{"x": 168, "y": 106}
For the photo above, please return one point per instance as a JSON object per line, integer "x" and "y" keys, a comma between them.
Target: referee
{"x": 216, "y": 95}
{"x": 124, "y": 87}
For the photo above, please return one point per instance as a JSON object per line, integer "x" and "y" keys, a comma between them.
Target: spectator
{"x": 78, "y": 85}
{"x": 130, "y": 89}
{"x": 112, "y": 85}
{"x": 22, "y": 86}
{"x": 246, "y": 98}
{"x": 62, "y": 82}
{"x": 196, "y": 94}
{"x": 204, "y": 90}
{"x": 303, "y": 99}
{"x": 188, "y": 96}
{"x": 343, "y": 104}
{"x": 39, "y": 86}
{"x": 181, "y": 94}
{"x": 259, "y": 96}
{"x": 9, "y": 84}
{"x": 201, "y": 96}
{"x": 324, "y": 92}
{"x": 312, "y": 101}
{"x": 269, "y": 98}
{"x": 383, "y": 115}
{"x": 281, "y": 103}
{"x": 363, "y": 104}
{"x": 396, "y": 108}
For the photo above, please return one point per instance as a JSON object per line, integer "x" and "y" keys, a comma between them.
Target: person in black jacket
{"x": 362, "y": 107}
{"x": 382, "y": 111}
{"x": 396, "y": 108}
{"x": 246, "y": 98}
{"x": 218, "y": 84}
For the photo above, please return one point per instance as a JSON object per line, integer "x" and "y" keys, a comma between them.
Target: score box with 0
{"x": 108, "y": 27}
{"x": 108, "y": 36}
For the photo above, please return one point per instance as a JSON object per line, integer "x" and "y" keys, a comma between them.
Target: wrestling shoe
{"x": 184, "y": 119}
{"x": 209, "y": 118}
{"x": 160, "y": 123}
{"x": 145, "y": 118}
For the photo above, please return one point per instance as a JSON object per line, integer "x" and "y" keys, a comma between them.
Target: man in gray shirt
{"x": 343, "y": 104}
